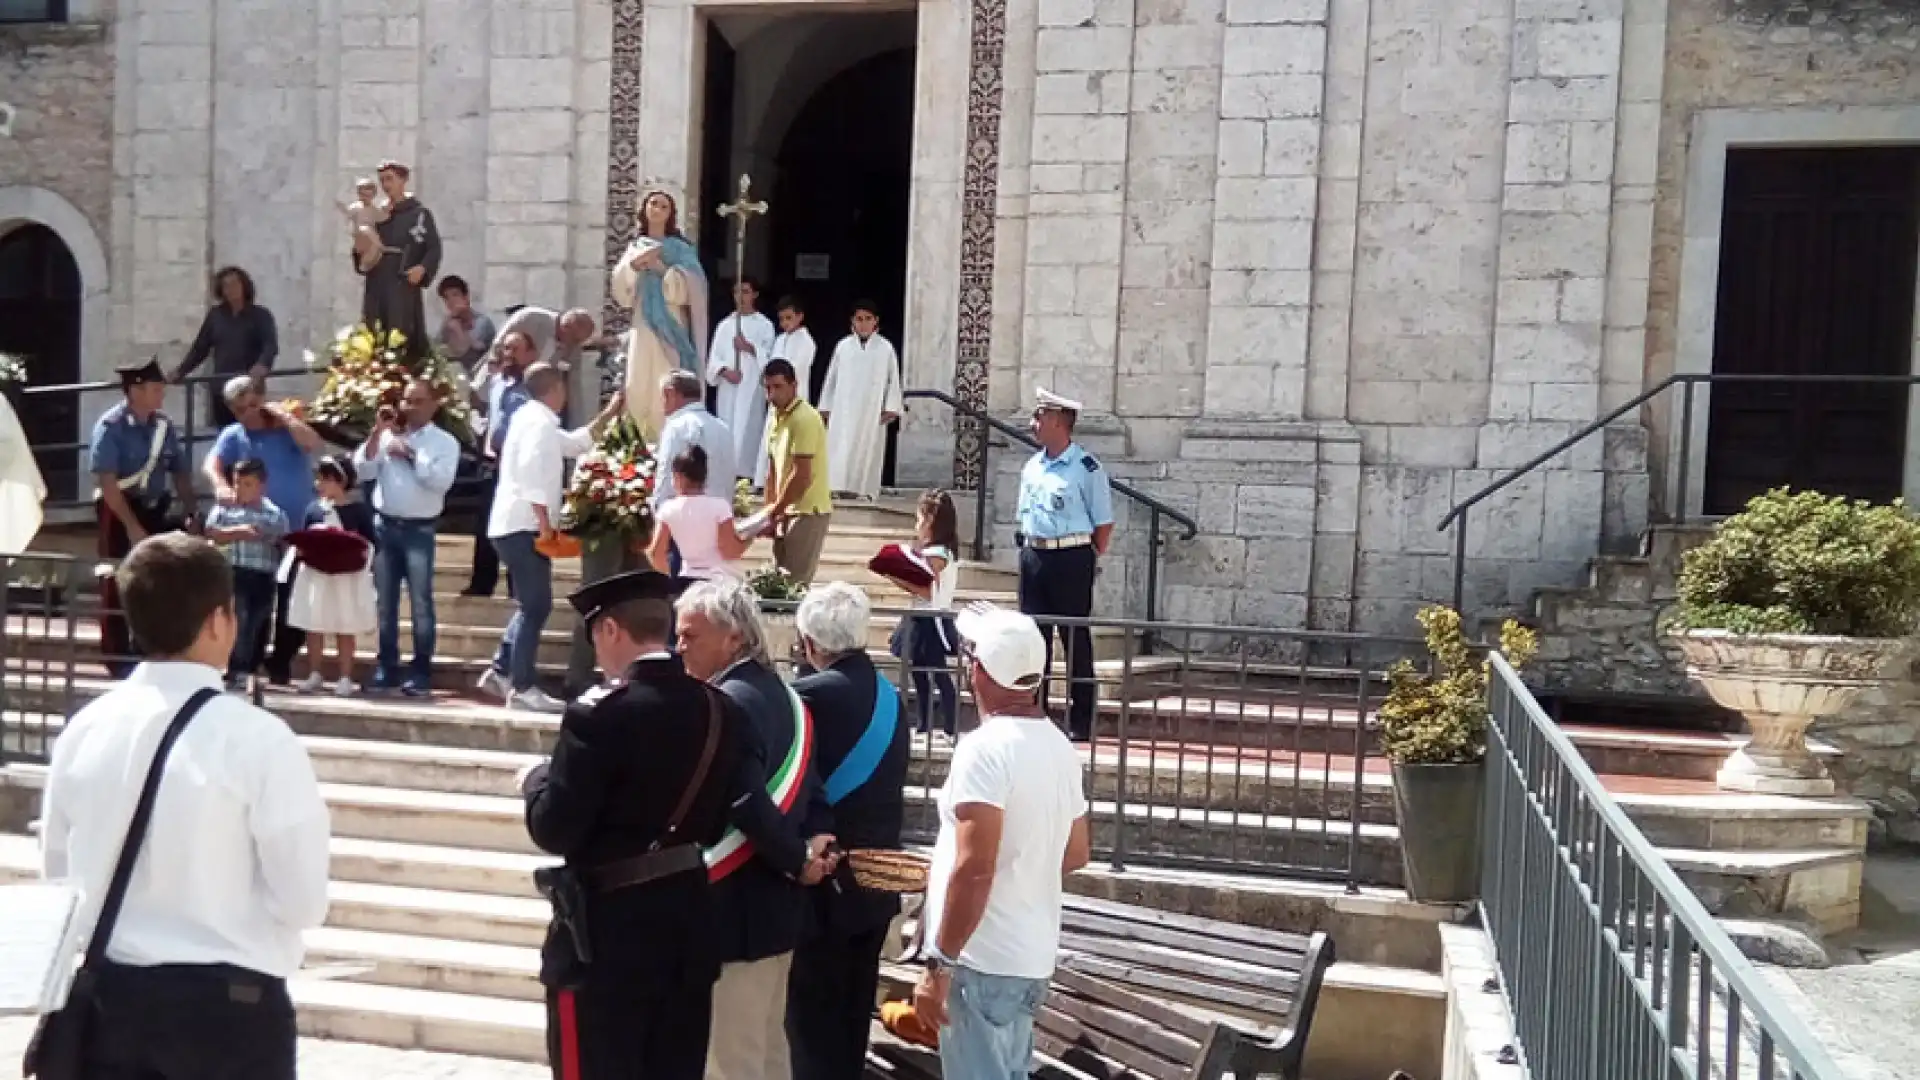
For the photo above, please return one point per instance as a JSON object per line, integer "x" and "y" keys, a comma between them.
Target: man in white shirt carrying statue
{"x": 1013, "y": 824}
{"x": 860, "y": 399}
{"x": 233, "y": 864}
{"x": 742, "y": 345}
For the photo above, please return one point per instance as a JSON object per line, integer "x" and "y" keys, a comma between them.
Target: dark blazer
{"x": 625, "y": 754}
{"x": 759, "y": 908}
{"x": 842, "y": 699}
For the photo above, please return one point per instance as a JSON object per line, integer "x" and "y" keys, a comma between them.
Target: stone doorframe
{"x": 657, "y": 73}
{"x": 1714, "y": 132}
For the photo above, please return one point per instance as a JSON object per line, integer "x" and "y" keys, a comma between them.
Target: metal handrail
{"x": 1612, "y": 968}
{"x": 1687, "y": 381}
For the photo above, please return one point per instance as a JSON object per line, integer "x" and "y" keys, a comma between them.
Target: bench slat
{"x": 1213, "y": 928}
{"x": 1266, "y": 1008}
{"x": 1242, "y": 952}
{"x": 1211, "y": 969}
{"x": 1114, "y": 995}
{"x": 1086, "y": 1049}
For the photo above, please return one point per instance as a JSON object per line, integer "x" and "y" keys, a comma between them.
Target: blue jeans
{"x": 253, "y": 592}
{"x": 518, "y": 657}
{"x": 989, "y": 1030}
{"x": 403, "y": 554}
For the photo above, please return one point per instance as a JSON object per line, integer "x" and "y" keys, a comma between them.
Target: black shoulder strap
{"x": 137, "y": 829}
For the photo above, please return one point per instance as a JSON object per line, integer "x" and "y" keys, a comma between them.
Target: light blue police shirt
{"x": 121, "y": 444}
{"x": 1063, "y": 496}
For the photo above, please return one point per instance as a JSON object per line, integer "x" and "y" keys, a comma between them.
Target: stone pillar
{"x": 453, "y": 137}
{"x": 378, "y": 112}
{"x": 530, "y": 141}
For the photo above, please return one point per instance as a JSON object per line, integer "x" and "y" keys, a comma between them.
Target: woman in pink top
{"x": 701, "y": 525}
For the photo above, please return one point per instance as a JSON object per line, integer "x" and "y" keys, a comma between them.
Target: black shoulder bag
{"x": 59, "y": 1045}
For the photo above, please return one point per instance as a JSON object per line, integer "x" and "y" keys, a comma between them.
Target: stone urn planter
{"x": 1781, "y": 684}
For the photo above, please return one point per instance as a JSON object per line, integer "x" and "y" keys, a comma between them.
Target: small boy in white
{"x": 1013, "y": 824}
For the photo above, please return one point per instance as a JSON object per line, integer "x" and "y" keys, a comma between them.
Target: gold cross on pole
{"x": 741, "y": 209}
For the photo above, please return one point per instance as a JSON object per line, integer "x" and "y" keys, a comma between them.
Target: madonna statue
{"x": 660, "y": 279}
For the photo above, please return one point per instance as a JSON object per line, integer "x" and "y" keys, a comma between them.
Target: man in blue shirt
{"x": 1066, "y": 522}
{"x": 142, "y": 469}
{"x": 282, "y": 443}
{"x": 411, "y": 465}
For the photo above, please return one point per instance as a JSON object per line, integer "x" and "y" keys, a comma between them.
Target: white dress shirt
{"x": 533, "y": 463}
{"x": 416, "y": 489}
{"x": 692, "y": 425}
{"x": 234, "y": 866}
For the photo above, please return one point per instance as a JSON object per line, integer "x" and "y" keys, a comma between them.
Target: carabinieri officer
{"x": 1066, "y": 522}
{"x": 145, "y": 485}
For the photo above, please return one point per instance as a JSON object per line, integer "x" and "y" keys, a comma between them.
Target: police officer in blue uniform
{"x": 145, "y": 483}
{"x": 1066, "y": 522}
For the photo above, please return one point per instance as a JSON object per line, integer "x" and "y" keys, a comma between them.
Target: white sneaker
{"x": 312, "y": 684}
{"x": 535, "y": 699}
{"x": 345, "y": 687}
{"x": 492, "y": 682}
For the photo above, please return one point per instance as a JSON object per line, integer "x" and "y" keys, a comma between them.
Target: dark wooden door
{"x": 40, "y": 322}
{"x": 1817, "y": 259}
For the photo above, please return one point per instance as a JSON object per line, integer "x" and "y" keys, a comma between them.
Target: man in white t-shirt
{"x": 1013, "y": 824}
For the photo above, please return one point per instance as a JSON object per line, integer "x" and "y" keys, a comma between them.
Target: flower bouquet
{"x": 610, "y": 496}
{"x": 368, "y": 368}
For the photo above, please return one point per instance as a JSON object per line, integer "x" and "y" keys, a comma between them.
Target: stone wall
{"x": 1879, "y": 762}
{"x": 59, "y": 80}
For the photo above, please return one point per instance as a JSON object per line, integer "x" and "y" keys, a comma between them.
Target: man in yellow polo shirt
{"x": 800, "y": 500}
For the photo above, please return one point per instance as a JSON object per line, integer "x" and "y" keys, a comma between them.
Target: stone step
{"x": 977, "y": 581}
{"x": 439, "y": 869}
{"x": 425, "y": 963}
{"x": 1748, "y": 824}
{"x": 1675, "y": 755}
{"x": 399, "y": 909}
{"x": 1820, "y": 885}
{"x": 1623, "y": 578}
{"x": 440, "y": 818}
{"x": 415, "y": 1019}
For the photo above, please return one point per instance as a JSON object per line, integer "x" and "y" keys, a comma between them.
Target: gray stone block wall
{"x": 59, "y": 80}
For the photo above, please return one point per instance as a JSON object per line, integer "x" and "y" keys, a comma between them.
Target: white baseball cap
{"x": 1006, "y": 643}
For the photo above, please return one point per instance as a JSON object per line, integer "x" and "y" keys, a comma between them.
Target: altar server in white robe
{"x": 742, "y": 344}
{"x": 795, "y": 343}
{"x": 861, "y": 397}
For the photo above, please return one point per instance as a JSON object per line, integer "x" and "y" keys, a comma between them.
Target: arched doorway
{"x": 40, "y": 321}
{"x": 847, "y": 158}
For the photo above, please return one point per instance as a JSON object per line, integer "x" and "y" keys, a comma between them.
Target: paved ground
{"x": 1869, "y": 1013}
{"x": 338, "y": 1061}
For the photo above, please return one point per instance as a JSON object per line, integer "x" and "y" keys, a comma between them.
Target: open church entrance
{"x": 818, "y": 109}
{"x": 40, "y": 313}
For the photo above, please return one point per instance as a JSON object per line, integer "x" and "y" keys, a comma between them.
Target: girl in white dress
{"x": 927, "y": 639}
{"x": 335, "y": 605}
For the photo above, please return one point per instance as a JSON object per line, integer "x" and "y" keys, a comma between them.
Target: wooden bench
{"x": 1155, "y": 995}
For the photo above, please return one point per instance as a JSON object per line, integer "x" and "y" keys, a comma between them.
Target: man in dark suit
{"x": 860, "y": 750}
{"x": 760, "y": 868}
{"x": 642, "y": 778}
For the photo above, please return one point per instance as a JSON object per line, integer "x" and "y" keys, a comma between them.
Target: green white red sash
{"x": 783, "y": 787}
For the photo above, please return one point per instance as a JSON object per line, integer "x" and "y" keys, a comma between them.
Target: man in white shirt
{"x": 411, "y": 464}
{"x": 234, "y": 865}
{"x": 795, "y": 343}
{"x": 526, "y": 509}
{"x": 1013, "y": 824}
{"x": 741, "y": 347}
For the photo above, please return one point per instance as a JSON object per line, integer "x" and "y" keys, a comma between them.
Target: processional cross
{"x": 742, "y": 208}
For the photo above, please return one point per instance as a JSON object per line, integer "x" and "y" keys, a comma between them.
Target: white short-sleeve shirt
{"x": 1027, "y": 768}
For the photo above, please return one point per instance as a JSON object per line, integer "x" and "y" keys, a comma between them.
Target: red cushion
{"x": 332, "y": 551}
{"x": 893, "y": 562}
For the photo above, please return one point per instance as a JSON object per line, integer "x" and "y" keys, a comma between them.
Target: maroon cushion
{"x": 332, "y": 551}
{"x": 893, "y": 562}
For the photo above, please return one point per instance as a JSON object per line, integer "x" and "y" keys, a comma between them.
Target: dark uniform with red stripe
{"x": 642, "y": 1006}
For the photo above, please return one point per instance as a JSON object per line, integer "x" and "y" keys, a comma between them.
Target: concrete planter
{"x": 1438, "y": 808}
{"x": 1781, "y": 684}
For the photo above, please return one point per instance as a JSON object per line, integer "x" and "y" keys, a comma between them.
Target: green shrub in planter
{"x": 1799, "y": 562}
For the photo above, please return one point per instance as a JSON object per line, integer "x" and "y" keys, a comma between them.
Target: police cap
{"x": 596, "y": 599}
{"x": 140, "y": 371}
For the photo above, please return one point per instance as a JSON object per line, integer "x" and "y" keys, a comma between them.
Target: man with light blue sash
{"x": 1066, "y": 522}
{"x": 860, "y": 748}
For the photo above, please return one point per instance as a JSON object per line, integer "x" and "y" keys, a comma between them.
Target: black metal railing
{"x": 1611, "y": 967}
{"x": 1457, "y": 516}
{"x": 983, "y": 549}
{"x": 192, "y": 432}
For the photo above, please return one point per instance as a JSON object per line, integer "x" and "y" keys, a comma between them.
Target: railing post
{"x": 1686, "y": 450}
{"x": 1153, "y": 578}
{"x": 980, "y": 486}
{"x": 1459, "y": 560}
{"x": 1119, "y": 859}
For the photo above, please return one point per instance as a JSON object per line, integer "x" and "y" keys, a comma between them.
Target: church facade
{"x": 1319, "y": 269}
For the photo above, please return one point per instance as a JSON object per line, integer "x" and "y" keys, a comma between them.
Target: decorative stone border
{"x": 979, "y": 202}
{"x": 623, "y": 143}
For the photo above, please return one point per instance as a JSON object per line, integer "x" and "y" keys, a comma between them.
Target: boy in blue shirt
{"x": 250, "y": 530}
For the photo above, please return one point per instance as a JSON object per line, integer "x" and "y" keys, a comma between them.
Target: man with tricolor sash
{"x": 860, "y": 751}
{"x": 760, "y": 868}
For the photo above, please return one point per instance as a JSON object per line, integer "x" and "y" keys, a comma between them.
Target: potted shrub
{"x": 779, "y": 596}
{"x": 1796, "y": 605}
{"x": 1433, "y": 727}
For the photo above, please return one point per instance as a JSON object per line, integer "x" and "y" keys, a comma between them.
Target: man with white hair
{"x": 761, "y": 867}
{"x": 1013, "y": 824}
{"x": 860, "y": 749}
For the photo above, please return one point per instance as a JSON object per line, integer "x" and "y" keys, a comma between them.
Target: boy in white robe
{"x": 860, "y": 399}
{"x": 742, "y": 344}
{"x": 795, "y": 344}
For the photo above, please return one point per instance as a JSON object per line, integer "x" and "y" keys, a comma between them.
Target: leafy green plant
{"x": 772, "y": 583}
{"x": 1440, "y": 717}
{"x": 1799, "y": 562}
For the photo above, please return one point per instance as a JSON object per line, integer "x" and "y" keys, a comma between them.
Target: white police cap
{"x": 1044, "y": 398}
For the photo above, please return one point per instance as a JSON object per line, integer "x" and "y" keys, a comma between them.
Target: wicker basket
{"x": 888, "y": 871}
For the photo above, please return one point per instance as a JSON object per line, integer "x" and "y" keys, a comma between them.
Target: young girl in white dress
{"x": 927, "y": 639}
{"x": 335, "y": 605}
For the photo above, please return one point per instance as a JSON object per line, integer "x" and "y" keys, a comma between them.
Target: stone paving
{"x": 321, "y": 1060}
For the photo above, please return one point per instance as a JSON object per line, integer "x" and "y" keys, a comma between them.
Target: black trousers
{"x": 486, "y": 561}
{"x": 1060, "y": 582}
{"x": 191, "y": 1022}
{"x": 609, "y": 1032}
{"x": 288, "y": 639}
{"x": 830, "y": 1001}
